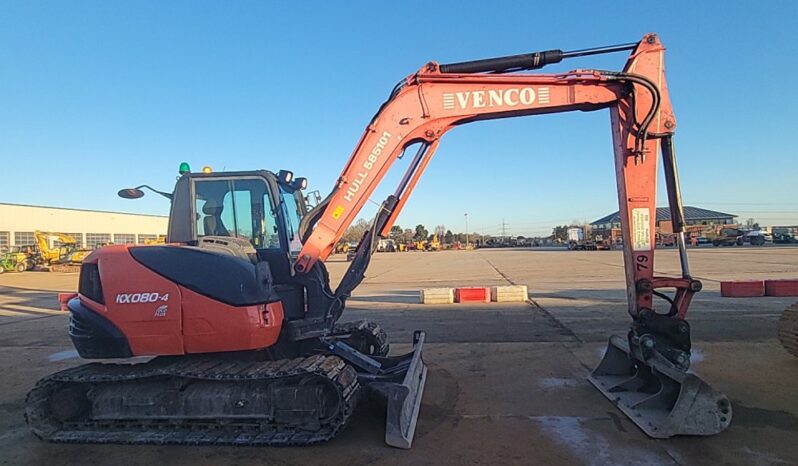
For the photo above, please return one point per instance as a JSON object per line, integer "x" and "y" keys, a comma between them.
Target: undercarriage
{"x": 201, "y": 400}
{"x": 233, "y": 399}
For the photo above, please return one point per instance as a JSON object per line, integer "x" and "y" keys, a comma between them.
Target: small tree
{"x": 396, "y": 233}
{"x": 421, "y": 233}
{"x": 560, "y": 232}
{"x": 448, "y": 237}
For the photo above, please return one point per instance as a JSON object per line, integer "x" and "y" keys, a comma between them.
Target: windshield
{"x": 236, "y": 207}
{"x": 293, "y": 215}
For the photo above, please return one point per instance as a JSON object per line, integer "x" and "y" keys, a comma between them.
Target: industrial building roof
{"x": 664, "y": 213}
{"x": 82, "y": 210}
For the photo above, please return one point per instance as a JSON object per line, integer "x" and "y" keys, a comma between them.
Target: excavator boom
{"x": 428, "y": 103}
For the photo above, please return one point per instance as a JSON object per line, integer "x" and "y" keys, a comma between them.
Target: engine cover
{"x": 172, "y": 300}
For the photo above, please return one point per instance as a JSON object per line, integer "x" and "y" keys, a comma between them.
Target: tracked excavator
{"x": 65, "y": 257}
{"x": 240, "y": 322}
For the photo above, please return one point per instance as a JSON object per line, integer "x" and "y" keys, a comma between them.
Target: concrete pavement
{"x": 506, "y": 383}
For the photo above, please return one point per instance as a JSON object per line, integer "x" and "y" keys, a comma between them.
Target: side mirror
{"x": 130, "y": 193}
{"x": 135, "y": 193}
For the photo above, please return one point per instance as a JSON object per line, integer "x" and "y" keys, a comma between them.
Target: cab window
{"x": 293, "y": 215}
{"x": 240, "y": 208}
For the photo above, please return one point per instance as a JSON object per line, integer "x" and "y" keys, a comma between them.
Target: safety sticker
{"x": 641, "y": 229}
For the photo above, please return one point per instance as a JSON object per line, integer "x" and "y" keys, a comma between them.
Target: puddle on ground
{"x": 559, "y": 382}
{"x": 63, "y": 355}
{"x": 593, "y": 448}
{"x": 696, "y": 356}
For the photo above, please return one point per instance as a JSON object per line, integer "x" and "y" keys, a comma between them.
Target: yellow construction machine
{"x": 160, "y": 239}
{"x": 65, "y": 256}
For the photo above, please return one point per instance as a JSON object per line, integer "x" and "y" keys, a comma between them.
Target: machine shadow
{"x": 25, "y": 301}
{"x": 391, "y": 297}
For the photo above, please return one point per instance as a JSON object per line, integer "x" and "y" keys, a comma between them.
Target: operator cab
{"x": 258, "y": 210}
{"x": 253, "y": 215}
{"x": 259, "y": 206}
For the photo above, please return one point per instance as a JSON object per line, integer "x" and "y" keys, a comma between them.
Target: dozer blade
{"x": 401, "y": 387}
{"x": 661, "y": 399}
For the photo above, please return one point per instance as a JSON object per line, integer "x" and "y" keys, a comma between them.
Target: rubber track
{"x": 788, "y": 329}
{"x": 192, "y": 432}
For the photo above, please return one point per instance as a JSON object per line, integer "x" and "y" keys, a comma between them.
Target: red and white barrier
{"x": 787, "y": 287}
{"x": 437, "y": 296}
{"x": 742, "y": 288}
{"x": 509, "y": 294}
{"x": 472, "y": 295}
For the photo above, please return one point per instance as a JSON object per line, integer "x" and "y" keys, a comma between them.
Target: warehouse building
{"x": 608, "y": 228}
{"x": 692, "y": 216}
{"x": 89, "y": 227}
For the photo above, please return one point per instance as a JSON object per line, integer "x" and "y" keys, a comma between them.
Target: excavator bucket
{"x": 400, "y": 386}
{"x": 661, "y": 399}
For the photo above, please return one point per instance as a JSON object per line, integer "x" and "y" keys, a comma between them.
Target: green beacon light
{"x": 184, "y": 168}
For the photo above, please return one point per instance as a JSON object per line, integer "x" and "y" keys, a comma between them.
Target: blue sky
{"x": 95, "y": 96}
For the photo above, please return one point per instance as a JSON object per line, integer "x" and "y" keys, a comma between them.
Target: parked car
{"x": 785, "y": 235}
{"x": 755, "y": 238}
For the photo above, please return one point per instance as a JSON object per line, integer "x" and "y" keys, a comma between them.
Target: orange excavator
{"x": 242, "y": 326}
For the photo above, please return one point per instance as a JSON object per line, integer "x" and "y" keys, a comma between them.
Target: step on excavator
{"x": 241, "y": 326}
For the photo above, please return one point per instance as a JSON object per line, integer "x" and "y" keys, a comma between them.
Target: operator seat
{"x": 212, "y": 223}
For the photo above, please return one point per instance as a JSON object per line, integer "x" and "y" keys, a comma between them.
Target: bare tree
{"x": 355, "y": 232}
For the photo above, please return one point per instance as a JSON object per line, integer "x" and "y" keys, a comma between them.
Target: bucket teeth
{"x": 661, "y": 399}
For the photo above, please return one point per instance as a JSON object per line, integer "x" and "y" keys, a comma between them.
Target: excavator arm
{"x": 645, "y": 375}
{"x": 427, "y": 104}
